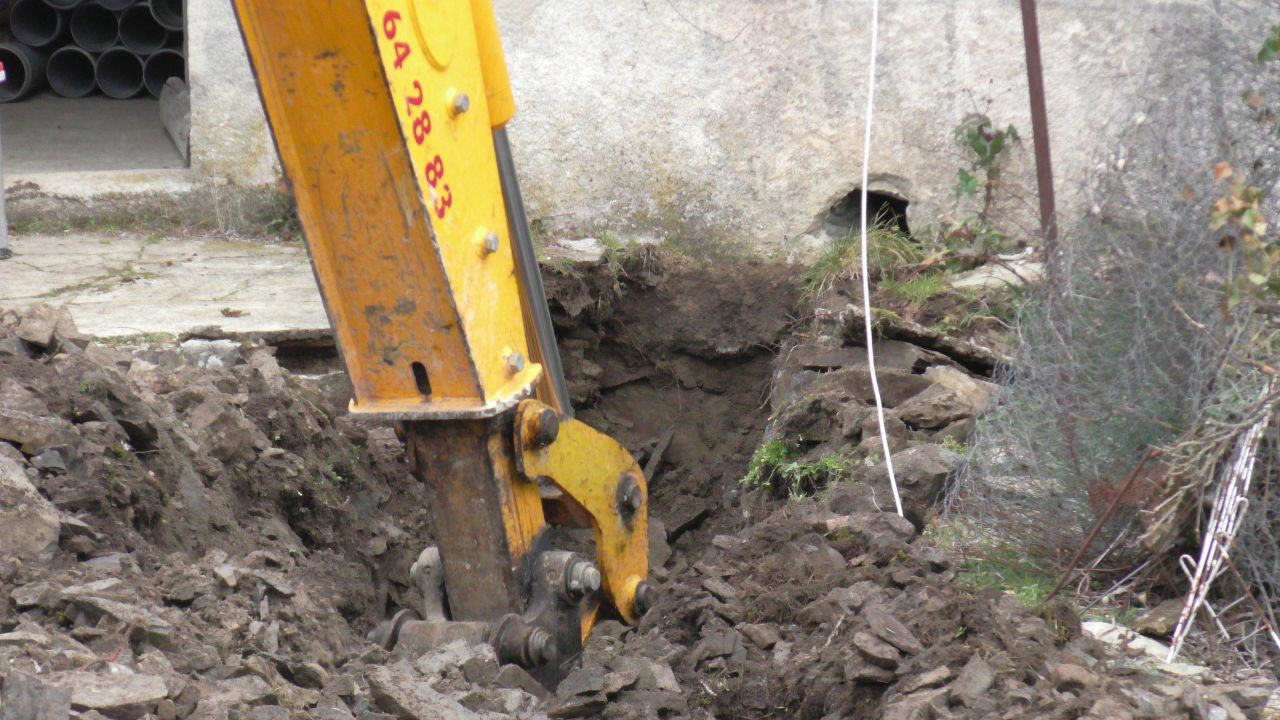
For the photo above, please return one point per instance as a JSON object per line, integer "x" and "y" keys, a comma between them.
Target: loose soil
{"x": 221, "y": 524}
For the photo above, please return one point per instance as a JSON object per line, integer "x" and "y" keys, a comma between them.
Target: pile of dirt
{"x": 812, "y": 614}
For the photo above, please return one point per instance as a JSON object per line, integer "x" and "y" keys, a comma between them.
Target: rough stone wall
{"x": 739, "y": 121}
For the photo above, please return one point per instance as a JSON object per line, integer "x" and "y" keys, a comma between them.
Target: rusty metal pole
{"x": 1040, "y": 133}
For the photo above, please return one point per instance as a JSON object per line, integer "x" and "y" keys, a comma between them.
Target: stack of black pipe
{"x": 121, "y": 47}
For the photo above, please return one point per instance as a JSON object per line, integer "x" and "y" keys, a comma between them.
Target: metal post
{"x": 5, "y": 252}
{"x": 1040, "y": 131}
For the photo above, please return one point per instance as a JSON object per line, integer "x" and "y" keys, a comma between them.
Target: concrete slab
{"x": 50, "y": 134}
{"x": 121, "y": 285}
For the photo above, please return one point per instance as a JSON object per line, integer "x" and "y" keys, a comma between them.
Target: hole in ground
{"x": 846, "y": 215}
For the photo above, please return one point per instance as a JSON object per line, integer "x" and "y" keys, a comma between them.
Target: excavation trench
{"x": 209, "y": 520}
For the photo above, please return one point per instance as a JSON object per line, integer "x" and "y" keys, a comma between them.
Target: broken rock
{"x": 124, "y": 697}
{"x": 400, "y": 690}
{"x": 29, "y": 698}
{"x": 29, "y": 524}
{"x": 974, "y": 681}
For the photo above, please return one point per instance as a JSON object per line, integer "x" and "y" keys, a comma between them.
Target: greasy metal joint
{"x": 541, "y": 428}
{"x": 630, "y": 497}
{"x": 646, "y": 596}
{"x": 517, "y": 642}
{"x": 581, "y": 579}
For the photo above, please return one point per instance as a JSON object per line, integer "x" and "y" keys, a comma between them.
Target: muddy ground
{"x": 201, "y": 532}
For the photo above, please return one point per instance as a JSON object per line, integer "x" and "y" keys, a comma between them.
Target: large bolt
{"x": 646, "y": 596}
{"x": 539, "y": 647}
{"x": 630, "y": 496}
{"x": 582, "y": 578}
{"x": 515, "y": 362}
{"x": 491, "y": 243}
{"x": 547, "y": 429}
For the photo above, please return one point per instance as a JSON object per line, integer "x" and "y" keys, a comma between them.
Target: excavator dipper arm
{"x": 389, "y": 119}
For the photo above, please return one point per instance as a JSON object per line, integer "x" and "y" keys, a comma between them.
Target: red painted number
{"x": 389, "y": 24}
{"x": 411, "y": 100}
{"x": 389, "y": 28}
{"x": 402, "y": 54}
{"x": 422, "y": 127}
{"x": 435, "y": 171}
{"x": 443, "y": 203}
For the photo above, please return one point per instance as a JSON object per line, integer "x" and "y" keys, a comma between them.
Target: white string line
{"x": 866, "y": 282}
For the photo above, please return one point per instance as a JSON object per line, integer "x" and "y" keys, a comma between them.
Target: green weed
{"x": 774, "y": 467}
{"x": 917, "y": 290}
{"x": 890, "y": 252}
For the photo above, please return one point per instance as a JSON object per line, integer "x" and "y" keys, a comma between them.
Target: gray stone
{"x": 974, "y": 681}
{"x": 1246, "y": 695}
{"x": 764, "y": 636}
{"x": 585, "y": 681}
{"x": 517, "y": 678}
{"x": 143, "y": 623}
{"x": 858, "y": 670}
{"x": 125, "y": 697}
{"x": 223, "y": 430}
{"x": 1160, "y": 621}
{"x": 933, "y": 409}
{"x": 888, "y": 628}
{"x": 33, "y": 594}
{"x": 921, "y": 473}
{"x": 29, "y": 524}
{"x": 110, "y": 564}
{"x": 29, "y": 698}
{"x": 1069, "y": 676}
{"x": 400, "y": 690}
{"x": 936, "y": 677}
{"x": 973, "y": 393}
{"x": 896, "y": 386}
{"x": 234, "y": 693}
{"x": 32, "y": 433}
{"x": 876, "y": 650}
{"x": 42, "y": 323}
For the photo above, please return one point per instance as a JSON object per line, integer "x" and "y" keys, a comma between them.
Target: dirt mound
{"x": 810, "y": 614}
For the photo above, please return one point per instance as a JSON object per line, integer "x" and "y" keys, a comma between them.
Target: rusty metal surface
{"x": 486, "y": 517}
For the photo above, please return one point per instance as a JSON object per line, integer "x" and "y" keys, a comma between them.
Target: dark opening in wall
{"x": 846, "y": 215}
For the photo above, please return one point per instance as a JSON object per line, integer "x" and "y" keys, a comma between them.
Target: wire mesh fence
{"x": 1137, "y": 372}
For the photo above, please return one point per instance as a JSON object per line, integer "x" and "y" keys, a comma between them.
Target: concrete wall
{"x": 230, "y": 140}
{"x": 738, "y": 123}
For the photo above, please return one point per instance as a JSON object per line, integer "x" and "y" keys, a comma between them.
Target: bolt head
{"x": 548, "y": 428}
{"x": 633, "y": 498}
{"x": 582, "y": 578}
{"x": 461, "y": 103}
{"x": 515, "y": 362}
{"x": 590, "y": 579}
{"x": 646, "y": 596}
{"x": 491, "y": 243}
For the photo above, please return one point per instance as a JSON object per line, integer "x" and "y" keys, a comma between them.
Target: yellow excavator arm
{"x": 389, "y": 117}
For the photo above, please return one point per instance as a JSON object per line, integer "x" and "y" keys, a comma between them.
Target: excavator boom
{"x": 389, "y": 117}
